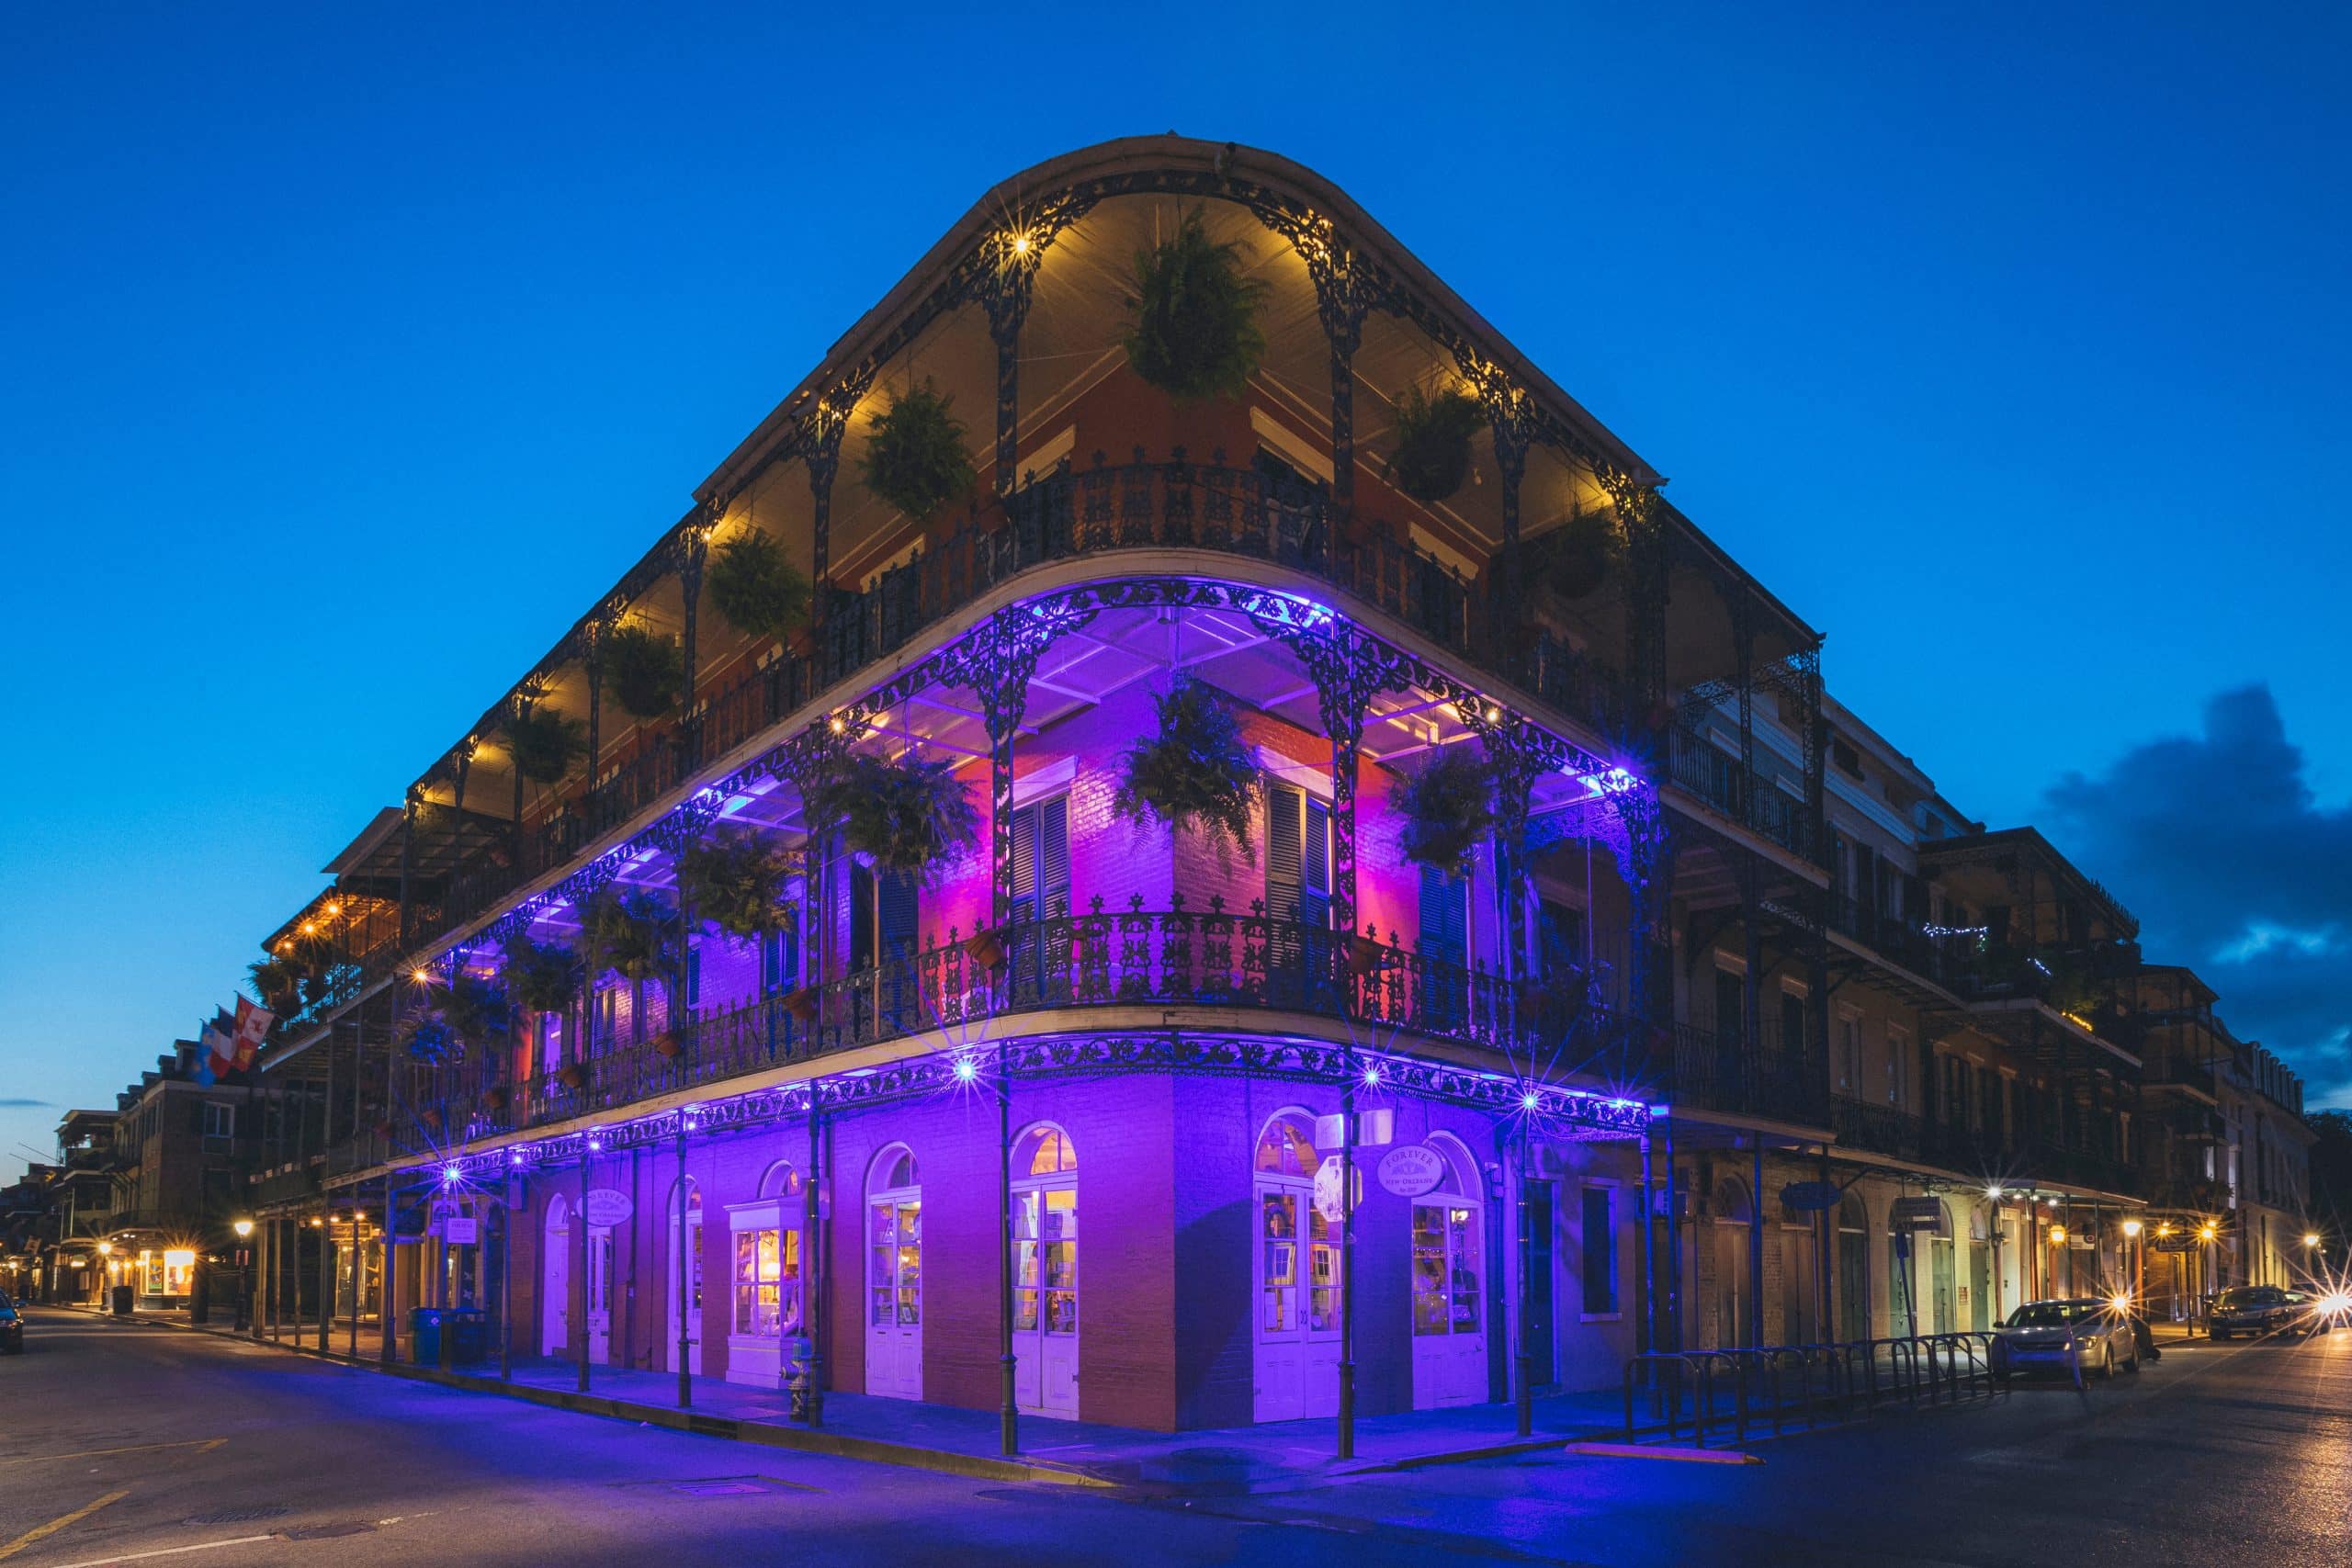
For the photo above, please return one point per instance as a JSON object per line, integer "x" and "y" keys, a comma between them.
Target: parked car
{"x": 2058, "y": 1337}
{"x": 2252, "y": 1311}
{"x": 12, "y": 1327}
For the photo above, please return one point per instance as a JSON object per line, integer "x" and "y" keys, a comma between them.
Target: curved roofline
{"x": 1171, "y": 152}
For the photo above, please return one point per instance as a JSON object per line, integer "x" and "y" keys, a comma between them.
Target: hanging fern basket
{"x": 642, "y": 669}
{"x": 1193, "y": 330}
{"x": 906, "y": 816}
{"x": 629, "y": 934}
{"x": 544, "y": 743}
{"x": 916, "y": 460}
{"x": 1578, "y": 555}
{"x": 754, "y": 585}
{"x": 1432, "y": 457}
{"x": 1447, "y": 808}
{"x": 1196, "y": 772}
{"x": 542, "y": 976}
{"x": 737, "y": 883}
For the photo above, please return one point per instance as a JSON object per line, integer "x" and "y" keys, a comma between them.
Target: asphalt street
{"x": 134, "y": 1444}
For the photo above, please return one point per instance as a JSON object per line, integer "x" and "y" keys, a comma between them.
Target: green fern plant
{"x": 544, "y": 743}
{"x": 633, "y": 935}
{"x": 908, "y": 816}
{"x": 643, "y": 670}
{"x": 1195, "y": 331}
{"x": 736, "y": 883}
{"x": 1577, "y": 557}
{"x": 543, "y": 976}
{"x": 1196, "y": 772}
{"x": 1433, "y": 455}
{"x": 754, "y": 585}
{"x": 1447, "y": 807}
{"x": 916, "y": 460}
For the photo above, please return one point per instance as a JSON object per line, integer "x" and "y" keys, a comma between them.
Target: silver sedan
{"x": 2079, "y": 1338}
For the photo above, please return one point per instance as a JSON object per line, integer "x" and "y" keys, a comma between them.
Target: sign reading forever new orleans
{"x": 1410, "y": 1170}
{"x": 607, "y": 1206}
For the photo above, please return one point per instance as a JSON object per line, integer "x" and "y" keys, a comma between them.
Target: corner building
{"x": 1084, "y": 1100}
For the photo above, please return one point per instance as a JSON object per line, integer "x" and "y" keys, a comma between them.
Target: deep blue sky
{"x": 347, "y": 356}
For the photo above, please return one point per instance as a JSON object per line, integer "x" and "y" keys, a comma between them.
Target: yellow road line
{"x": 201, "y": 1444}
{"x": 42, "y": 1532}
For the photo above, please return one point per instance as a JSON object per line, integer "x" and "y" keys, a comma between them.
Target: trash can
{"x": 123, "y": 1296}
{"x": 468, "y": 1328}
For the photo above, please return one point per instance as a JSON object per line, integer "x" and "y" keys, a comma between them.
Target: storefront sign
{"x": 607, "y": 1206}
{"x": 1810, "y": 1197}
{"x": 1917, "y": 1215}
{"x": 1410, "y": 1170}
{"x": 1327, "y": 1190}
{"x": 460, "y": 1230}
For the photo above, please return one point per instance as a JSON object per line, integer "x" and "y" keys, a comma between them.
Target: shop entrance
{"x": 894, "y": 1277}
{"x": 1045, "y": 1297}
{"x": 1449, "y": 1294}
{"x": 1296, "y": 1370}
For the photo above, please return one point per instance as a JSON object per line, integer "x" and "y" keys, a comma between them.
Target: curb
{"x": 766, "y": 1434}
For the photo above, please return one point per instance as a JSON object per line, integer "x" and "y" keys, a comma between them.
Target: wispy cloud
{"x": 26, "y": 1104}
{"x": 2216, "y": 841}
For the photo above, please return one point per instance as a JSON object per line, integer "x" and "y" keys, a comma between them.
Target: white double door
{"x": 556, "y": 1292}
{"x": 1449, "y": 1304}
{"x": 691, "y": 1244}
{"x": 1045, "y": 1299}
{"x": 1296, "y": 1365}
{"x": 894, "y": 1293}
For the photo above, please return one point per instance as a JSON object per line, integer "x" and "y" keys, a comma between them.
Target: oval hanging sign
{"x": 1410, "y": 1170}
{"x": 607, "y": 1206}
{"x": 1811, "y": 1197}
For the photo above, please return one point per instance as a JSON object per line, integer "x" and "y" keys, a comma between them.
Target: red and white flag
{"x": 253, "y": 1028}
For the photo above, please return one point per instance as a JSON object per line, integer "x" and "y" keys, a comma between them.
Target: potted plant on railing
{"x": 755, "y": 586}
{"x": 1447, "y": 808}
{"x": 543, "y": 743}
{"x": 1195, "y": 331}
{"x": 1196, "y": 772}
{"x": 916, "y": 458}
{"x": 1576, "y": 559}
{"x": 985, "y": 948}
{"x": 909, "y": 816}
{"x": 668, "y": 1046}
{"x": 735, "y": 882}
{"x": 642, "y": 669}
{"x": 572, "y": 1076}
{"x": 1433, "y": 455}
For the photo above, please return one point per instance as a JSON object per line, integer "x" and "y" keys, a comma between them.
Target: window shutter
{"x": 1284, "y": 853}
{"x": 1025, "y": 865}
{"x": 1053, "y": 857}
{"x": 1445, "y": 917}
{"x": 895, "y": 914}
{"x": 1315, "y": 893}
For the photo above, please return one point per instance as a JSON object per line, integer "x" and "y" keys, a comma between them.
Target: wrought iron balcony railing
{"x": 1980, "y": 1153}
{"x": 1070, "y": 513}
{"x": 1136, "y": 957}
{"x": 1717, "y": 1070}
{"x": 1749, "y": 799}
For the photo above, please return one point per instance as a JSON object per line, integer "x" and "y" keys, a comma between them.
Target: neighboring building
{"x": 2268, "y": 1166}
{"x": 82, "y": 1203}
{"x": 179, "y": 1156}
{"x": 1605, "y": 1085}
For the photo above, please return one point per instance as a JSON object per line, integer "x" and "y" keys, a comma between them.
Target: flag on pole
{"x": 219, "y": 1040}
{"x": 252, "y": 1027}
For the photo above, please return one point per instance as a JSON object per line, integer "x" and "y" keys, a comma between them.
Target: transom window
{"x": 1288, "y": 1147}
{"x": 1044, "y": 1151}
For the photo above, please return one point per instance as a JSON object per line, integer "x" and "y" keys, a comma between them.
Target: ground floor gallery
{"x": 1172, "y": 1262}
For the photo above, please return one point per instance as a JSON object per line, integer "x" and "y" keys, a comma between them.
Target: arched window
{"x": 1287, "y": 1146}
{"x": 1044, "y": 1151}
{"x": 895, "y": 1168}
{"x": 780, "y": 1181}
{"x": 1732, "y": 1205}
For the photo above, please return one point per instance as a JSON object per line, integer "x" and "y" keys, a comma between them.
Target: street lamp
{"x": 244, "y": 1229}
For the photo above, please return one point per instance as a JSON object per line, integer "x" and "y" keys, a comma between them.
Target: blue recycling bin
{"x": 468, "y": 1328}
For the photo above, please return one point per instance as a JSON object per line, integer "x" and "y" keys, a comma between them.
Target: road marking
{"x": 42, "y": 1532}
{"x": 201, "y": 1444}
{"x": 169, "y": 1551}
{"x": 1642, "y": 1450}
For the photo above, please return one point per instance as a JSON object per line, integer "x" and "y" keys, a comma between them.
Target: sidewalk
{"x": 1264, "y": 1457}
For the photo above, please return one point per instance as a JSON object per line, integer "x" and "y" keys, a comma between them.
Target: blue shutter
{"x": 1053, "y": 857}
{"x": 1445, "y": 925}
{"x": 1285, "y": 869}
{"x": 895, "y": 914}
{"x": 1315, "y": 893}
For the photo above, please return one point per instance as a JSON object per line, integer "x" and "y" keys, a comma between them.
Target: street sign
{"x": 1374, "y": 1129}
{"x": 1327, "y": 1190}
{"x": 1810, "y": 1197}
{"x": 1917, "y": 1215}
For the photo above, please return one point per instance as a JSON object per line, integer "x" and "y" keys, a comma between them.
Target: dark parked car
{"x": 2256, "y": 1309}
{"x": 12, "y": 1327}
